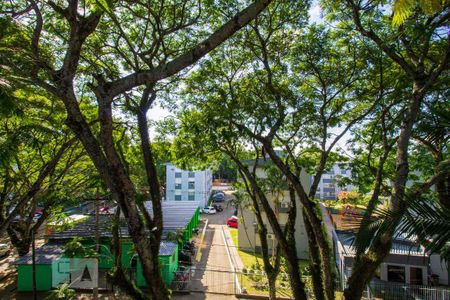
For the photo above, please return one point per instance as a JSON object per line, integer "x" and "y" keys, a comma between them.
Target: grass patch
{"x": 234, "y": 236}
{"x": 256, "y": 284}
{"x": 248, "y": 258}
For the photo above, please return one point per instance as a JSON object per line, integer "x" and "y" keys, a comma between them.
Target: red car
{"x": 232, "y": 222}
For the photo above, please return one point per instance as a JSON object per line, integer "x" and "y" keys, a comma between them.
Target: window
{"x": 343, "y": 172}
{"x": 396, "y": 274}
{"x": 191, "y": 174}
{"x": 191, "y": 196}
{"x": 178, "y": 186}
{"x": 177, "y": 174}
{"x": 191, "y": 185}
{"x": 177, "y": 197}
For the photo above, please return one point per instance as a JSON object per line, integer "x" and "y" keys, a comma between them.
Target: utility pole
{"x": 33, "y": 259}
{"x": 97, "y": 241}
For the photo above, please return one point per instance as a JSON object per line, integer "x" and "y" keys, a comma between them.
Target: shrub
{"x": 349, "y": 197}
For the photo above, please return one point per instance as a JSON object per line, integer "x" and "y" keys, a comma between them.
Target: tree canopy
{"x": 246, "y": 80}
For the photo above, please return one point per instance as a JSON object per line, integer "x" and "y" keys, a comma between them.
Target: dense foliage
{"x": 365, "y": 84}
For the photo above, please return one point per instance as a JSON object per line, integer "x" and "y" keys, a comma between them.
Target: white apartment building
{"x": 184, "y": 185}
{"x": 248, "y": 237}
{"x": 330, "y": 183}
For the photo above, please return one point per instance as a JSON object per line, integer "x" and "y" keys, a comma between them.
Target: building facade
{"x": 334, "y": 181}
{"x": 184, "y": 185}
{"x": 248, "y": 238}
{"x": 407, "y": 264}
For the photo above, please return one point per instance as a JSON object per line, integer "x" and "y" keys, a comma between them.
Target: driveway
{"x": 214, "y": 273}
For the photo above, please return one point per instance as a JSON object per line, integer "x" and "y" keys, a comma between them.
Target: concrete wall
{"x": 248, "y": 238}
{"x": 440, "y": 268}
{"x": 201, "y": 190}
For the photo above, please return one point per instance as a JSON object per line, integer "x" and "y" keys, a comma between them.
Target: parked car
{"x": 218, "y": 197}
{"x": 232, "y": 222}
{"x": 209, "y": 210}
{"x": 218, "y": 207}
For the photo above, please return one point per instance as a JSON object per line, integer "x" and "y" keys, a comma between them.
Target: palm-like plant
{"x": 421, "y": 218}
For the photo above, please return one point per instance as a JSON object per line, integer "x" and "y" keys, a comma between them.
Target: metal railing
{"x": 394, "y": 291}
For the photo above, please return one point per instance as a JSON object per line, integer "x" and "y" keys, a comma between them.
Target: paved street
{"x": 214, "y": 272}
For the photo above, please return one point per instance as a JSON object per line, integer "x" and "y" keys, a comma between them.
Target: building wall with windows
{"x": 329, "y": 186}
{"x": 248, "y": 237}
{"x": 184, "y": 185}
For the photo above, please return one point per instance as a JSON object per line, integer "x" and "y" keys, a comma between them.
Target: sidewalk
{"x": 232, "y": 248}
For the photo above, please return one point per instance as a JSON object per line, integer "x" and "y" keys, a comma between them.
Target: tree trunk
{"x": 155, "y": 225}
{"x": 309, "y": 207}
{"x": 443, "y": 190}
{"x": 114, "y": 175}
{"x": 315, "y": 261}
{"x": 272, "y": 286}
{"x": 117, "y": 275}
{"x": 366, "y": 264}
{"x": 20, "y": 238}
{"x": 272, "y": 271}
{"x": 289, "y": 250}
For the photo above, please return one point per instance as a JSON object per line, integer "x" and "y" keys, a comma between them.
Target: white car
{"x": 209, "y": 210}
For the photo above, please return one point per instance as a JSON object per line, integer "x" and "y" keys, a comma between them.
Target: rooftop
{"x": 176, "y": 215}
{"x": 51, "y": 252}
{"x": 45, "y": 255}
{"x": 399, "y": 246}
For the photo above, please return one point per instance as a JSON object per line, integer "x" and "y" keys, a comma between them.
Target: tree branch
{"x": 191, "y": 56}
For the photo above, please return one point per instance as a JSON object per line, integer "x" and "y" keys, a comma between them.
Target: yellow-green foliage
{"x": 403, "y": 9}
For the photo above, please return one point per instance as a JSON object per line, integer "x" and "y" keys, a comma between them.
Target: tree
{"x": 41, "y": 164}
{"x": 404, "y": 9}
{"x": 216, "y": 139}
{"x": 419, "y": 49}
{"x": 432, "y": 135}
{"x": 256, "y": 193}
{"x": 225, "y": 169}
{"x": 66, "y": 45}
{"x": 287, "y": 100}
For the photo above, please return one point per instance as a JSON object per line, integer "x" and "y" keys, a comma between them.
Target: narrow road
{"x": 214, "y": 272}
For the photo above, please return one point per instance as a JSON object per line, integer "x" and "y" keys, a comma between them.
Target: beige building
{"x": 248, "y": 238}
